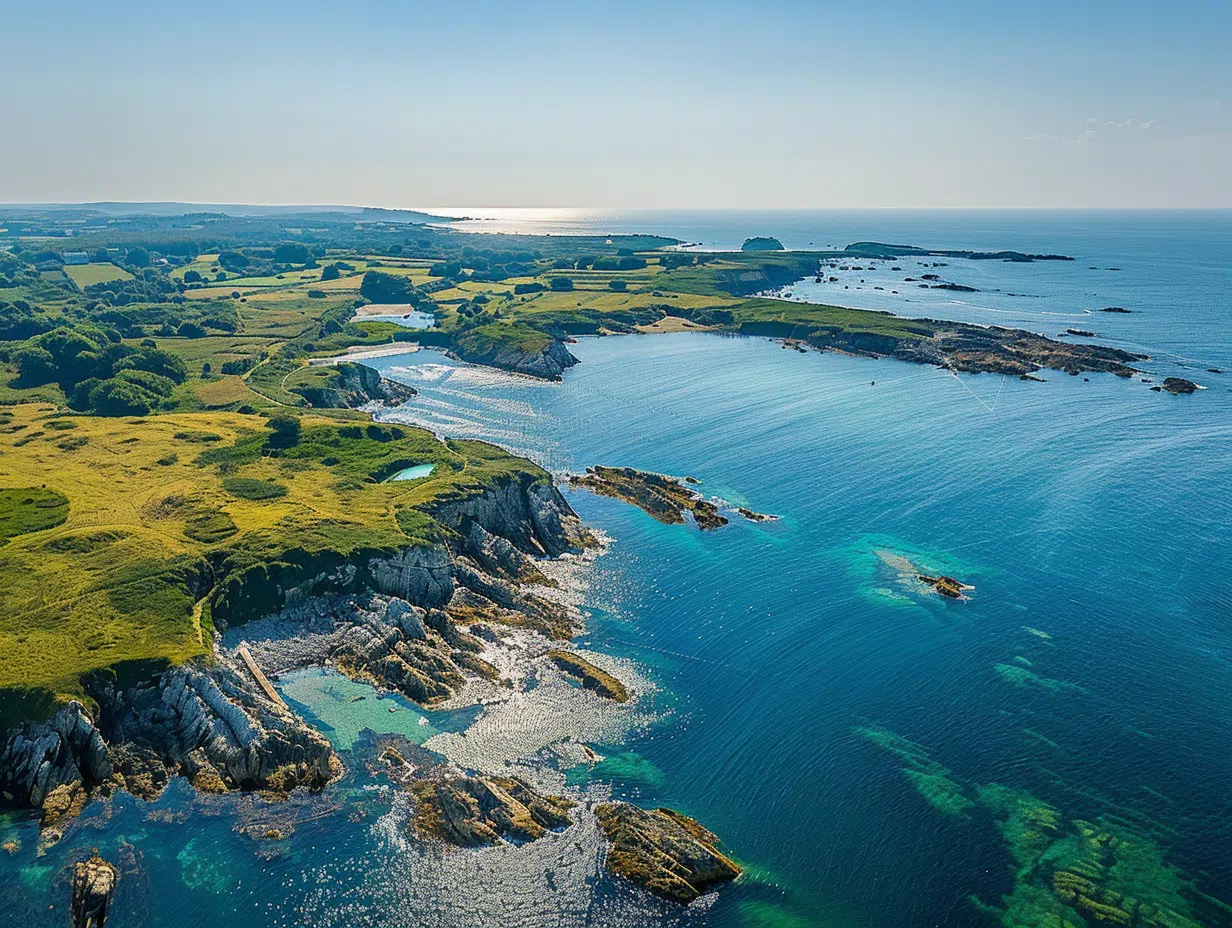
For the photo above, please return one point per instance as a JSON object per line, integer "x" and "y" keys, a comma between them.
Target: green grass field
{"x": 83, "y": 275}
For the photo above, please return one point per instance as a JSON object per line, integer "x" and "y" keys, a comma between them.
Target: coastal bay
{"x": 801, "y": 644}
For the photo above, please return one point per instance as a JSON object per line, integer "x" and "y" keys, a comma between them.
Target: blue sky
{"x": 632, "y": 104}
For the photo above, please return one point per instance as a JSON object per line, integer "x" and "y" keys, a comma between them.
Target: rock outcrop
{"x": 1179, "y": 385}
{"x": 94, "y": 882}
{"x": 946, "y": 586}
{"x": 663, "y": 851}
{"x": 958, "y": 346}
{"x": 65, "y": 750}
{"x": 420, "y": 574}
{"x": 548, "y": 362}
{"x": 755, "y": 516}
{"x": 215, "y": 726}
{"x": 352, "y": 385}
{"x": 211, "y": 724}
{"x": 472, "y": 811}
{"x": 592, "y": 677}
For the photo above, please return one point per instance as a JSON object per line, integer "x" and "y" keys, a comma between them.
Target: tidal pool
{"x": 342, "y": 708}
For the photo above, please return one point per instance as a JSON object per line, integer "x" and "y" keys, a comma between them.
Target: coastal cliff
{"x": 350, "y": 385}
{"x": 211, "y": 724}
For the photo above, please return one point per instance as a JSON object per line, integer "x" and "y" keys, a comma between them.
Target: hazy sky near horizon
{"x": 636, "y": 104}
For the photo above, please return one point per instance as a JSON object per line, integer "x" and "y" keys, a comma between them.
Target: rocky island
{"x": 591, "y": 677}
{"x": 666, "y": 852}
{"x": 664, "y": 498}
{"x": 762, "y": 243}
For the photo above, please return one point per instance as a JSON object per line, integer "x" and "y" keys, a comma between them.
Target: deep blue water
{"x": 1092, "y": 518}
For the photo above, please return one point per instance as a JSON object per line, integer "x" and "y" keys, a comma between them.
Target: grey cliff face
{"x": 64, "y": 750}
{"x": 422, "y": 575}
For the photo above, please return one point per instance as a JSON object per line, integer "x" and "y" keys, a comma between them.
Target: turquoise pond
{"x": 417, "y": 472}
{"x": 876, "y": 756}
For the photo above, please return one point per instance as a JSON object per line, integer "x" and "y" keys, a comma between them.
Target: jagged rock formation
{"x": 471, "y": 811}
{"x": 212, "y": 725}
{"x": 421, "y": 574}
{"x": 216, "y": 727}
{"x": 1179, "y": 385}
{"x": 667, "y": 853}
{"x": 93, "y": 883}
{"x": 665, "y": 498}
{"x": 41, "y": 756}
{"x": 946, "y": 586}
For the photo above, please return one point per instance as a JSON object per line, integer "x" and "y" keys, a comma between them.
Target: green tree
{"x": 292, "y": 253}
{"x": 35, "y": 365}
{"x": 562, "y": 284}
{"x": 284, "y": 429}
{"x": 330, "y": 272}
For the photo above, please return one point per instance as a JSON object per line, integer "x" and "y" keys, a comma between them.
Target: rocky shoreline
{"x": 474, "y": 615}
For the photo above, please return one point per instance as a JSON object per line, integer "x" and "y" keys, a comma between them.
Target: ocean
{"x": 872, "y": 753}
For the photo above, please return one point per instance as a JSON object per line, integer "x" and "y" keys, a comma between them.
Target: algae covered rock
{"x": 592, "y": 677}
{"x": 663, "y": 851}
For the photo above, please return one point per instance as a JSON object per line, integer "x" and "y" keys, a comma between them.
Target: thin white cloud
{"x": 1093, "y": 127}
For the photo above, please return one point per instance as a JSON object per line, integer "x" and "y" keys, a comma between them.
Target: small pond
{"x": 414, "y": 473}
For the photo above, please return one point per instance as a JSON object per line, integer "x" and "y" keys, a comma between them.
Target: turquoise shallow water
{"x": 418, "y": 472}
{"x": 1091, "y": 666}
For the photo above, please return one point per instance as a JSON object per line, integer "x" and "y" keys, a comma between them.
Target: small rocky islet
{"x": 661, "y": 850}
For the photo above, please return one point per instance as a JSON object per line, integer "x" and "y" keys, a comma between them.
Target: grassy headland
{"x": 140, "y": 529}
